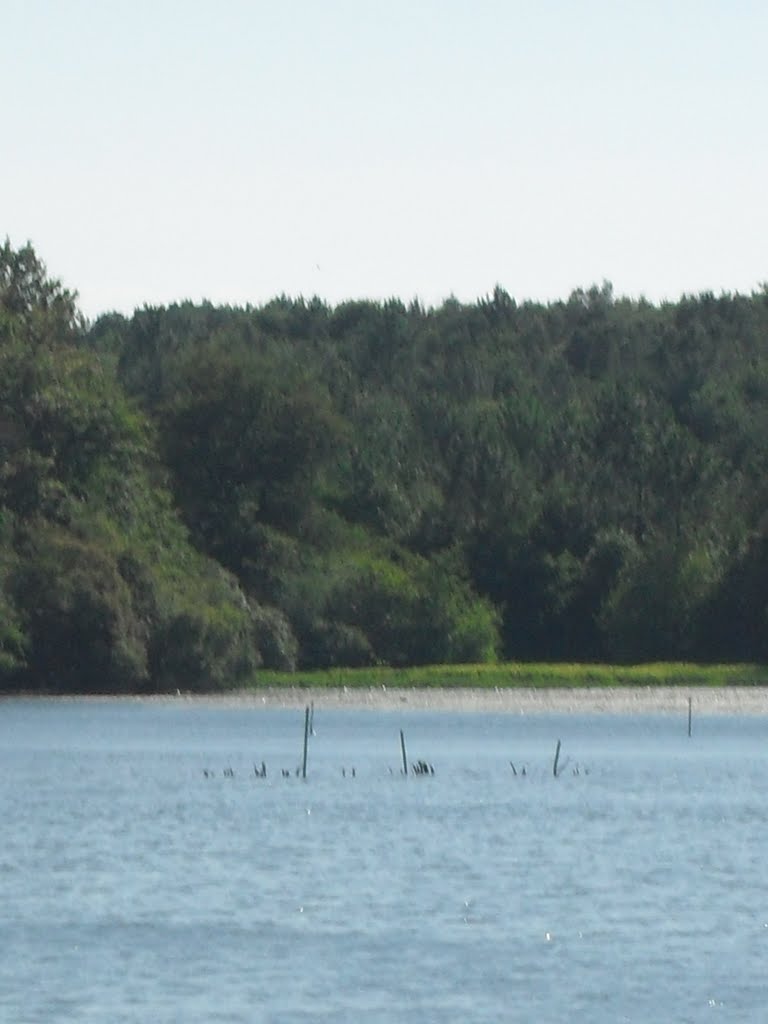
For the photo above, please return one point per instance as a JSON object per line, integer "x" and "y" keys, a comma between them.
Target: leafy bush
{"x": 335, "y": 645}
{"x": 77, "y": 613}
{"x": 275, "y": 640}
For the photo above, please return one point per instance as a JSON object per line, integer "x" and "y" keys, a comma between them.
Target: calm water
{"x": 133, "y": 888}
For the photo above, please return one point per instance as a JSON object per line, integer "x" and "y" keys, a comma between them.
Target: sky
{"x": 237, "y": 150}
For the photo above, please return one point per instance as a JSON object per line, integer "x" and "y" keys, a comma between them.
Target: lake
{"x": 148, "y": 875}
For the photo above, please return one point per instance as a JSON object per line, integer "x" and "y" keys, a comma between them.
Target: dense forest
{"x": 193, "y": 492}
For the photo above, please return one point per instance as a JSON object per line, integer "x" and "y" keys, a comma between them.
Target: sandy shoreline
{"x": 741, "y": 700}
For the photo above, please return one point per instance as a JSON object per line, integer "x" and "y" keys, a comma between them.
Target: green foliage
{"x": 97, "y": 577}
{"x": 411, "y": 611}
{"x": 453, "y": 624}
{"x": 244, "y": 446}
{"x": 274, "y": 637}
{"x": 76, "y": 611}
{"x": 34, "y": 308}
{"x": 194, "y": 494}
{"x": 205, "y": 649}
{"x": 13, "y": 638}
{"x": 534, "y": 675}
{"x": 329, "y": 644}
{"x": 555, "y": 451}
{"x": 734, "y": 618}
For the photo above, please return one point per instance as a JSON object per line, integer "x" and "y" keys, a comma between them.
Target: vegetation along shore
{"x": 198, "y": 497}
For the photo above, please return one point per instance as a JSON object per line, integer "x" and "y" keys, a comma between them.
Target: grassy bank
{"x": 525, "y": 675}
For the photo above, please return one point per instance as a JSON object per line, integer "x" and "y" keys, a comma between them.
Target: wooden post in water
{"x": 311, "y": 718}
{"x": 306, "y": 740}
{"x": 690, "y": 713}
{"x": 557, "y": 758}
{"x": 402, "y": 750}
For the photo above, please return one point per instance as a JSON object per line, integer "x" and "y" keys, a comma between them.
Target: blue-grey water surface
{"x": 134, "y": 888}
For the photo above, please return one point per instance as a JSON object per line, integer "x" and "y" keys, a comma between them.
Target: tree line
{"x": 193, "y": 492}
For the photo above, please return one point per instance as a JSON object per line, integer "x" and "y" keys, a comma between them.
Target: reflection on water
{"x": 148, "y": 874}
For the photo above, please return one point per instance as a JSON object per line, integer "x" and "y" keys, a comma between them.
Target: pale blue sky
{"x": 172, "y": 149}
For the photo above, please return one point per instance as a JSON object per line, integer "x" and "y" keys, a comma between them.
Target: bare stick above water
{"x": 402, "y": 750}
{"x": 557, "y": 758}
{"x": 306, "y": 739}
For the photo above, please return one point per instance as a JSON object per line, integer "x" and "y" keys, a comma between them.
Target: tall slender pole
{"x": 557, "y": 758}
{"x": 306, "y": 739}
{"x": 402, "y": 748}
